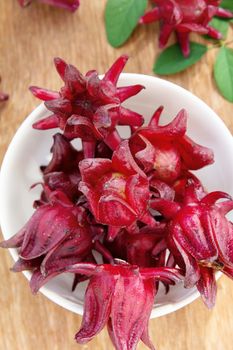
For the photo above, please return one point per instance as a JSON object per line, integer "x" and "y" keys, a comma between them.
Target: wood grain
{"x": 29, "y": 39}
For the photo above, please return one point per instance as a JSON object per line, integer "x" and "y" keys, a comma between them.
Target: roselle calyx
{"x": 62, "y": 173}
{"x": 184, "y": 17}
{"x": 117, "y": 190}
{"x": 166, "y": 152}
{"x": 200, "y": 237}
{"x": 55, "y": 236}
{"x": 113, "y": 288}
{"x": 89, "y": 107}
{"x": 137, "y": 249}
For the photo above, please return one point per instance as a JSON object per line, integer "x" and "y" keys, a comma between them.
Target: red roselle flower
{"x": 62, "y": 173}
{"x": 180, "y": 185}
{"x": 117, "y": 190}
{"x": 184, "y": 17}
{"x": 121, "y": 296}
{"x": 137, "y": 249}
{"x": 70, "y": 5}
{"x": 200, "y": 237}
{"x": 165, "y": 152}
{"x": 89, "y": 107}
{"x": 55, "y": 236}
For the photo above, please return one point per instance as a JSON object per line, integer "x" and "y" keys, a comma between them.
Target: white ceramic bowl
{"x": 30, "y": 148}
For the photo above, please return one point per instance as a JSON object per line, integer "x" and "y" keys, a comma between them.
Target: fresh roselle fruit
{"x": 166, "y": 152}
{"x": 117, "y": 190}
{"x": 200, "y": 237}
{"x": 184, "y": 17}
{"x": 62, "y": 173}
{"x": 137, "y": 249}
{"x": 110, "y": 300}
{"x": 55, "y": 236}
{"x": 89, "y": 107}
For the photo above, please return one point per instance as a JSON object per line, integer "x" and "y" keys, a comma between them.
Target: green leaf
{"x": 227, "y": 4}
{"x": 223, "y": 72}
{"x": 221, "y": 25}
{"x": 121, "y": 17}
{"x": 172, "y": 61}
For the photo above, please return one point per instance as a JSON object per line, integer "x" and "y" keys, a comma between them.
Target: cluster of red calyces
{"x": 70, "y": 5}
{"x": 135, "y": 201}
{"x": 184, "y": 17}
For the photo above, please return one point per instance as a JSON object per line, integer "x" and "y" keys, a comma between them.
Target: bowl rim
{"x": 158, "y": 310}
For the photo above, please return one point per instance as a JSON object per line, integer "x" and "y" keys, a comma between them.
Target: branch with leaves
{"x": 210, "y": 18}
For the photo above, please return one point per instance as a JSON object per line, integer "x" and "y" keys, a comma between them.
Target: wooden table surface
{"x": 29, "y": 39}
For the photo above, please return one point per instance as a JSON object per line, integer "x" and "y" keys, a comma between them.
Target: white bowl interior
{"x": 30, "y": 148}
